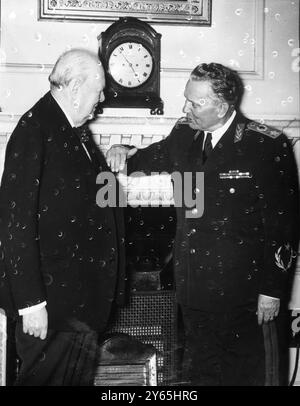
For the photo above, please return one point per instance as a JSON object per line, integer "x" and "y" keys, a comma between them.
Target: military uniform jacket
{"x": 57, "y": 244}
{"x": 245, "y": 242}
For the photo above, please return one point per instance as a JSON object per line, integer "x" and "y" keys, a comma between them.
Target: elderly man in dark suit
{"x": 62, "y": 255}
{"x": 234, "y": 259}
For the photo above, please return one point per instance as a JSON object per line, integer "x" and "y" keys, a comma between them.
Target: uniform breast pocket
{"x": 240, "y": 198}
{"x": 237, "y": 187}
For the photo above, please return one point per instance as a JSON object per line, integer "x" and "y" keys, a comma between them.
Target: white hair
{"x": 76, "y": 63}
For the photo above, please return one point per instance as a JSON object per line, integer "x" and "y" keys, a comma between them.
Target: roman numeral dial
{"x": 130, "y": 64}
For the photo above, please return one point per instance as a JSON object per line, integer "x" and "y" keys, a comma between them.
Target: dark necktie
{"x": 81, "y": 133}
{"x": 84, "y": 136}
{"x": 207, "y": 147}
{"x": 195, "y": 152}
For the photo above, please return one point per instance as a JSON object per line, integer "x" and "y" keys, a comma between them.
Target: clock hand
{"x": 130, "y": 65}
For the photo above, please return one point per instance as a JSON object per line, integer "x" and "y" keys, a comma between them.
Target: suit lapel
{"x": 62, "y": 132}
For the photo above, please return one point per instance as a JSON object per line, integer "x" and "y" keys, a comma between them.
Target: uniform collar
{"x": 219, "y": 132}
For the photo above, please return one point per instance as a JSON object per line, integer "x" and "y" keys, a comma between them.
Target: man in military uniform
{"x": 62, "y": 256}
{"x": 233, "y": 263}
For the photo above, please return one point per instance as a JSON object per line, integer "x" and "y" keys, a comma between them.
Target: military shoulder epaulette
{"x": 263, "y": 129}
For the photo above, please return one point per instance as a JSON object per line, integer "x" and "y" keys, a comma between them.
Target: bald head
{"x": 76, "y": 63}
{"x": 77, "y": 82}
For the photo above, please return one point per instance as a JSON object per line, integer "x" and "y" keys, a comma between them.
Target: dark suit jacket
{"x": 57, "y": 244}
{"x": 246, "y": 241}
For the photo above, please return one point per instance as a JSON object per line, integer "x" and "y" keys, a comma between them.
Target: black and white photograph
{"x": 149, "y": 196}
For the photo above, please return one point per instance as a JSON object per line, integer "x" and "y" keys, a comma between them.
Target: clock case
{"x": 147, "y": 95}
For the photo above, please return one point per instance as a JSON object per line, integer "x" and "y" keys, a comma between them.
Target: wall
{"x": 257, "y": 37}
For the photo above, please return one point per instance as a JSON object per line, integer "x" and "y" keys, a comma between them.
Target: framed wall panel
{"x": 156, "y": 11}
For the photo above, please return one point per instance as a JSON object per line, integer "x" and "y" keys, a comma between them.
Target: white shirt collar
{"x": 219, "y": 132}
{"x": 64, "y": 111}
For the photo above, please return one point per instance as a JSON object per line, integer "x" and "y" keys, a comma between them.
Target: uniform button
{"x": 12, "y": 176}
{"x": 232, "y": 190}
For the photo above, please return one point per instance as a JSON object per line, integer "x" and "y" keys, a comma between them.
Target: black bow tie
{"x": 82, "y": 134}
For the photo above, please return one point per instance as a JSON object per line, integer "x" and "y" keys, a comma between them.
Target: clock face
{"x": 130, "y": 64}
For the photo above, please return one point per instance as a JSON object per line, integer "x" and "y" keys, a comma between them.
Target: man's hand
{"x": 117, "y": 156}
{"x": 267, "y": 308}
{"x": 36, "y": 323}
